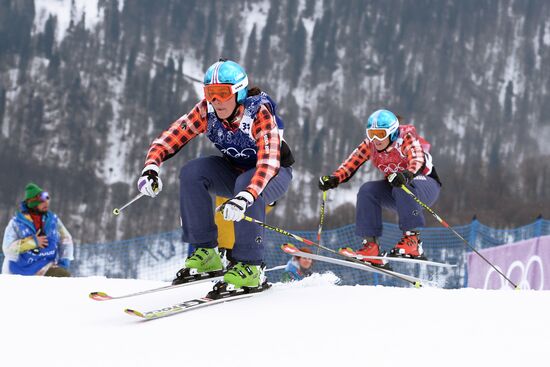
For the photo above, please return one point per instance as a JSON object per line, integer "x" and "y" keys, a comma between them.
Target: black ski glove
{"x": 397, "y": 179}
{"x": 328, "y": 182}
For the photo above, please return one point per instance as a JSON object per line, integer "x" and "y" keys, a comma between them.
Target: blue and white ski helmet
{"x": 228, "y": 72}
{"x": 384, "y": 119}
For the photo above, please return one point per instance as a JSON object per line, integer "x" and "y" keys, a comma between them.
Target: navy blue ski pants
{"x": 375, "y": 195}
{"x": 215, "y": 175}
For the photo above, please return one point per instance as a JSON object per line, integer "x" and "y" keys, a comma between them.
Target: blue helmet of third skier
{"x": 223, "y": 79}
{"x": 381, "y": 124}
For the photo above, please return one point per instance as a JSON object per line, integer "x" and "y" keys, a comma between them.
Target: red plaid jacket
{"x": 410, "y": 151}
{"x": 187, "y": 127}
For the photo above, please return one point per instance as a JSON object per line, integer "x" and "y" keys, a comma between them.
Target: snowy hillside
{"x": 86, "y": 85}
{"x": 52, "y": 322}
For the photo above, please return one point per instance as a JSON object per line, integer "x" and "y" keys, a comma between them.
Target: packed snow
{"x": 62, "y": 9}
{"x": 315, "y": 322}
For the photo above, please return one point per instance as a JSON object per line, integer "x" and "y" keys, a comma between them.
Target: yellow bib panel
{"x": 226, "y": 229}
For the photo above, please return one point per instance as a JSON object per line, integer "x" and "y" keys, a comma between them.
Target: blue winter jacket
{"x": 30, "y": 262}
{"x": 293, "y": 272}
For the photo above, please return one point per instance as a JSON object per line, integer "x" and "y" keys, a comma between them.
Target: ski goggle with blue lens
{"x": 42, "y": 197}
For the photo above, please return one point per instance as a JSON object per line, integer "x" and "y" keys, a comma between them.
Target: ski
{"x": 102, "y": 296}
{"x": 293, "y": 250}
{"x": 409, "y": 260}
{"x": 196, "y": 303}
{"x": 202, "y": 278}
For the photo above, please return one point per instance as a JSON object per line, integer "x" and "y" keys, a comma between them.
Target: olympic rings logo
{"x": 391, "y": 167}
{"x": 534, "y": 261}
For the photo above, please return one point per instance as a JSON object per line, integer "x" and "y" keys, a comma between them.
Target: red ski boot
{"x": 368, "y": 249}
{"x": 409, "y": 246}
{"x": 371, "y": 249}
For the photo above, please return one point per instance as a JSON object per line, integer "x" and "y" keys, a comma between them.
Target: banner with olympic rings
{"x": 526, "y": 263}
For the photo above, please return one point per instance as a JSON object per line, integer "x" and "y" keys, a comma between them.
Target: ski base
{"x": 210, "y": 300}
{"x": 390, "y": 258}
{"x": 212, "y": 277}
{"x": 293, "y": 250}
{"x": 201, "y": 278}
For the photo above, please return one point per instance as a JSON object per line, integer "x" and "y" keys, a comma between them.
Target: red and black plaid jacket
{"x": 410, "y": 148}
{"x": 187, "y": 127}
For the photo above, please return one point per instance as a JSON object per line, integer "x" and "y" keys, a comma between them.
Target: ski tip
{"x": 134, "y": 313}
{"x": 100, "y": 296}
{"x": 417, "y": 285}
{"x": 289, "y": 248}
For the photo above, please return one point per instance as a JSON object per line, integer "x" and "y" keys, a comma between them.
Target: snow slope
{"x": 62, "y": 9}
{"x": 51, "y": 322}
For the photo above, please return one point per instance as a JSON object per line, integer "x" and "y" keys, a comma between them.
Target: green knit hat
{"x": 31, "y": 191}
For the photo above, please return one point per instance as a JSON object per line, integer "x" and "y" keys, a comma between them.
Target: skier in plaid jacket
{"x": 253, "y": 170}
{"x": 404, "y": 159}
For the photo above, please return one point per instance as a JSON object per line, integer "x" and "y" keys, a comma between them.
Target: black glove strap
{"x": 153, "y": 176}
{"x": 231, "y": 202}
{"x": 239, "y": 198}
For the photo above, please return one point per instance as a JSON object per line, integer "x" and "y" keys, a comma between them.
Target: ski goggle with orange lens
{"x": 379, "y": 134}
{"x": 221, "y": 92}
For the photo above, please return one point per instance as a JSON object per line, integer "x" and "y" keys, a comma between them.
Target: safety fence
{"x": 159, "y": 256}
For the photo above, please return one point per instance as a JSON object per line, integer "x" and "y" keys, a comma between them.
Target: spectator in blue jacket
{"x": 35, "y": 241}
{"x": 298, "y": 267}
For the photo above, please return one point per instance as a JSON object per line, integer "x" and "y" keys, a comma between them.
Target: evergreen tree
{"x": 48, "y": 38}
{"x": 210, "y": 49}
{"x": 297, "y": 51}
{"x": 291, "y": 13}
{"x": 251, "y": 52}
{"x": 53, "y": 67}
{"x": 21, "y": 23}
{"x": 230, "y": 48}
{"x": 197, "y": 30}
{"x": 2, "y": 105}
{"x": 131, "y": 63}
{"x": 265, "y": 43}
{"x": 508, "y": 106}
{"x": 318, "y": 51}
{"x": 112, "y": 23}
{"x": 310, "y": 8}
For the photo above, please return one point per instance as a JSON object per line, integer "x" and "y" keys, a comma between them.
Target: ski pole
{"x": 116, "y": 211}
{"x": 283, "y": 232}
{"x": 322, "y": 218}
{"x": 311, "y": 243}
{"x": 446, "y": 225}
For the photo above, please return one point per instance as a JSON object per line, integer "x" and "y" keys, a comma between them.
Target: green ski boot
{"x": 203, "y": 263}
{"x": 244, "y": 275}
{"x": 204, "y": 260}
